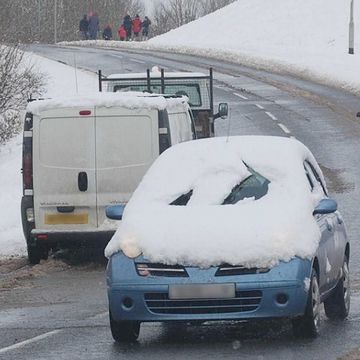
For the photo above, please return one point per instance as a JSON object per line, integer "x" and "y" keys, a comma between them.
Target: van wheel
{"x": 307, "y": 326}
{"x": 37, "y": 253}
{"x": 337, "y": 305}
{"x": 124, "y": 331}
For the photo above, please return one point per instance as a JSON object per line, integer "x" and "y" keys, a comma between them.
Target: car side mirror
{"x": 326, "y": 206}
{"x": 358, "y": 114}
{"x": 115, "y": 212}
{"x": 223, "y": 111}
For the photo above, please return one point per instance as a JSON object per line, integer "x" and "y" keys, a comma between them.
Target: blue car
{"x": 278, "y": 278}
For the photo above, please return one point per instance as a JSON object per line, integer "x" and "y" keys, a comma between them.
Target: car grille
{"x": 244, "y": 301}
{"x": 145, "y": 269}
{"x": 229, "y": 270}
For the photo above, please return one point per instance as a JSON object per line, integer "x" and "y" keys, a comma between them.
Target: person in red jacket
{"x": 122, "y": 33}
{"x": 136, "y": 26}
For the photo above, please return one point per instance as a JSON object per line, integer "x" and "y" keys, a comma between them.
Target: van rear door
{"x": 64, "y": 169}
{"x": 127, "y": 143}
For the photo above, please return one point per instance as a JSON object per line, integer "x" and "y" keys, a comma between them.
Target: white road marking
{"x": 101, "y": 315}
{"x": 270, "y": 115}
{"x": 219, "y": 87}
{"x": 240, "y": 96}
{"x": 284, "y": 128}
{"x": 138, "y": 61}
{"x": 259, "y": 106}
{"x": 29, "y": 341}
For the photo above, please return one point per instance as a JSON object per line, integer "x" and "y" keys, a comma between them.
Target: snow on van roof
{"x": 262, "y": 232}
{"x": 129, "y": 100}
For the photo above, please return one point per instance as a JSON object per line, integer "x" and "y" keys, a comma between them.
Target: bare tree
{"x": 33, "y": 20}
{"x": 175, "y": 13}
{"x": 18, "y": 81}
{"x": 209, "y": 6}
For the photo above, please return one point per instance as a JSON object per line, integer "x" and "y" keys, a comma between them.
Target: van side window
{"x": 164, "y": 131}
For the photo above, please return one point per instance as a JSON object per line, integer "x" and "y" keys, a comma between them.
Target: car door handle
{"x": 82, "y": 181}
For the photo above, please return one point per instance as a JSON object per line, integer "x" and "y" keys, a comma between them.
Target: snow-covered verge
{"x": 61, "y": 80}
{"x": 277, "y": 226}
{"x": 306, "y": 38}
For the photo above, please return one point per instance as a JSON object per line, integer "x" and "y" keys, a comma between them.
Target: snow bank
{"x": 129, "y": 100}
{"x": 304, "y": 37}
{"x": 260, "y": 232}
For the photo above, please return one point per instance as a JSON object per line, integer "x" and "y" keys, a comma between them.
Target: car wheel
{"x": 124, "y": 331}
{"x": 37, "y": 253}
{"x": 337, "y": 305}
{"x": 308, "y": 325}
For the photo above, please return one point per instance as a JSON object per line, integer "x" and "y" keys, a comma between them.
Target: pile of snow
{"x": 128, "y": 100}
{"x": 61, "y": 79}
{"x": 307, "y": 38}
{"x": 260, "y": 232}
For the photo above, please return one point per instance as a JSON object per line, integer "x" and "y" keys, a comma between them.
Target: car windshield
{"x": 254, "y": 186}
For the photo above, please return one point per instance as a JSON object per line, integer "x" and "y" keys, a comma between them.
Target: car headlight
{"x": 130, "y": 249}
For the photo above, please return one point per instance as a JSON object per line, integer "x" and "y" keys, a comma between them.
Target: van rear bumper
{"x": 71, "y": 238}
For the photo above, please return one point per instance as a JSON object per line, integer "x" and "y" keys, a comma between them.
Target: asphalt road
{"x": 56, "y": 311}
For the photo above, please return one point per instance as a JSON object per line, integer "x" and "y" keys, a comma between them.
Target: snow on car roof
{"x": 129, "y": 100}
{"x": 278, "y": 226}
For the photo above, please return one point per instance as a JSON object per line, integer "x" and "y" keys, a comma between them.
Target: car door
{"x": 328, "y": 261}
{"x": 127, "y": 143}
{"x": 64, "y": 170}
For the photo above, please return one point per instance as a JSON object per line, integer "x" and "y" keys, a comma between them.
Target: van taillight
{"x": 28, "y": 171}
{"x": 85, "y": 112}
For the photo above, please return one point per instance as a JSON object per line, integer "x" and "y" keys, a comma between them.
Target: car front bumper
{"x": 260, "y": 296}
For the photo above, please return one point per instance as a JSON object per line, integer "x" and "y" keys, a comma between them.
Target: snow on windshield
{"x": 277, "y": 226}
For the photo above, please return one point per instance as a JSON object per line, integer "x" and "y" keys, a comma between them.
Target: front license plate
{"x": 202, "y": 291}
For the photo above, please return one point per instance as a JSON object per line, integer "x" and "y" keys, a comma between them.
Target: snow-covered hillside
{"x": 308, "y": 38}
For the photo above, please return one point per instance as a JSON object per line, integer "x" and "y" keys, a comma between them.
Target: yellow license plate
{"x": 66, "y": 219}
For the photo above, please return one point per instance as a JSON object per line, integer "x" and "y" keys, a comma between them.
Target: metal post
{"x": 100, "y": 82}
{"x": 148, "y": 80}
{"x": 211, "y": 119}
{"x": 162, "y": 81}
{"x": 351, "y": 28}
{"x": 55, "y": 21}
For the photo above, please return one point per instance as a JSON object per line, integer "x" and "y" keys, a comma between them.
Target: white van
{"x": 81, "y": 155}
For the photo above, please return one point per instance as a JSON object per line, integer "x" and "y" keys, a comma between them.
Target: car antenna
{"x": 76, "y": 78}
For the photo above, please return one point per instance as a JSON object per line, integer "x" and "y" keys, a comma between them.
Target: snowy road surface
{"x": 57, "y": 311}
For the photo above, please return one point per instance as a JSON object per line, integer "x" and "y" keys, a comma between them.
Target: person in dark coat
{"x": 136, "y": 26}
{"x": 145, "y": 28}
{"x": 128, "y": 26}
{"x": 93, "y": 25}
{"x": 107, "y": 33}
{"x": 84, "y": 28}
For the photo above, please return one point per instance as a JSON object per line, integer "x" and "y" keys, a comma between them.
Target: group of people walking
{"x": 131, "y": 29}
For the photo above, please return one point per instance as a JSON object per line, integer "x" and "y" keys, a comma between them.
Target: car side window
{"x": 315, "y": 176}
{"x": 308, "y": 176}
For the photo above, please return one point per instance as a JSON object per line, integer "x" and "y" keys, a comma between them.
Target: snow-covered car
{"x": 229, "y": 228}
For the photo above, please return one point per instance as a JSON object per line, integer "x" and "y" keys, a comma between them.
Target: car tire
{"x": 337, "y": 305}
{"x": 124, "y": 331}
{"x": 37, "y": 253}
{"x": 307, "y": 326}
